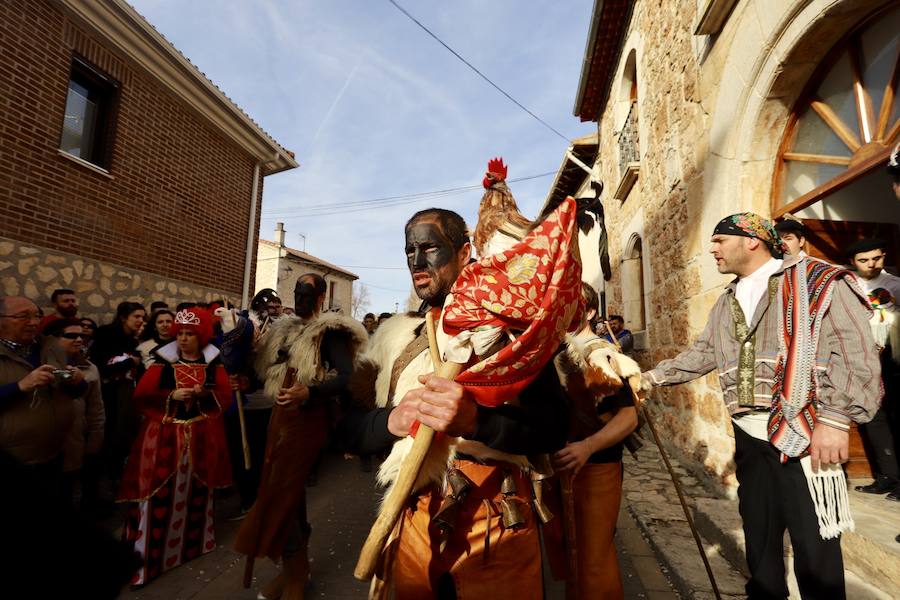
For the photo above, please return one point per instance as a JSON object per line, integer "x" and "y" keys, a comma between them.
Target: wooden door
{"x": 827, "y": 240}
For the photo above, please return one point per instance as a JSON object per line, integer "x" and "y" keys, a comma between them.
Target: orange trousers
{"x": 598, "y": 495}
{"x": 507, "y": 567}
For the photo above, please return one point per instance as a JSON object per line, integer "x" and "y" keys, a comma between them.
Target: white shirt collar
{"x": 750, "y": 289}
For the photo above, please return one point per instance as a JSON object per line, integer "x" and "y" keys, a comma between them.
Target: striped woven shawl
{"x": 805, "y": 293}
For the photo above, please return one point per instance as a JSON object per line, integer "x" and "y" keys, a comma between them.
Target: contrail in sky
{"x": 334, "y": 104}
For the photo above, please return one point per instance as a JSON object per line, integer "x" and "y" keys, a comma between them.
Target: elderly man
{"x": 452, "y": 543}
{"x": 796, "y": 363}
{"x": 36, "y": 392}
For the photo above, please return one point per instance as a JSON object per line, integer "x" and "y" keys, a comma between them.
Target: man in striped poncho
{"x": 797, "y": 363}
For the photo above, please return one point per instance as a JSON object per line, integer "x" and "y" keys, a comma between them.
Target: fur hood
{"x": 294, "y": 342}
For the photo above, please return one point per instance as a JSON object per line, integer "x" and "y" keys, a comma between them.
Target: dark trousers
{"x": 774, "y": 497}
{"x": 879, "y": 441}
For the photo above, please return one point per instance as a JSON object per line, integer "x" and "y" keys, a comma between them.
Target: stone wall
{"x": 34, "y": 272}
{"x": 711, "y": 111}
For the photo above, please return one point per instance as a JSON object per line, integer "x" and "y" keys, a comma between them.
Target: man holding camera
{"x": 36, "y": 393}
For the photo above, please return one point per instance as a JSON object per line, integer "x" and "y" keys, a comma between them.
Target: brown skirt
{"x": 295, "y": 438}
{"x": 598, "y": 494}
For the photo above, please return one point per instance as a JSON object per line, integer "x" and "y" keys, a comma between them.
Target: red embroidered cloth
{"x": 533, "y": 288}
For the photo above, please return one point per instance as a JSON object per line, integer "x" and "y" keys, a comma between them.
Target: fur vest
{"x": 293, "y": 342}
{"x": 385, "y": 347}
{"x": 589, "y": 370}
{"x": 603, "y": 367}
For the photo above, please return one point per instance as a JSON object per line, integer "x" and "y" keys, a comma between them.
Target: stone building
{"x": 709, "y": 107}
{"x": 125, "y": 174}
{"x": 278, "y": 267}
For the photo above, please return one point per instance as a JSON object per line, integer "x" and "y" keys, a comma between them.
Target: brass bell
{"x": 508, "y": 486}
{"x": 445, "y": 520}
{"x": 458, "y": 484}
{"x": 540, "y": 508}
{"x": 511, "y": 514}
{"x": 541, "y": 468}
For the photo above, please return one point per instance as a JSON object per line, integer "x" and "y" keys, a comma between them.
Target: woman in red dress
{"x": 180, "y": 455}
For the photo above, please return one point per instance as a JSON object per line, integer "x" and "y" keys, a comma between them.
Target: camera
{"x": 62, "y": 374}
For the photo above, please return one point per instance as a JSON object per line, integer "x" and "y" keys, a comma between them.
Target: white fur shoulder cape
{"x": 388, "y": 343}
{"x": 295, "y": 342}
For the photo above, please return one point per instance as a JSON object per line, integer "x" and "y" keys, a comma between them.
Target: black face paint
{"x": 427, "y": 248}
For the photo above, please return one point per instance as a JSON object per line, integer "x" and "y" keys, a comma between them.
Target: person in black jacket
{"x": 114, "y": 351}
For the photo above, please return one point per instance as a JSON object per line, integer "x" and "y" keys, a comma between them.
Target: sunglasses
{"x": 74, "y": 336}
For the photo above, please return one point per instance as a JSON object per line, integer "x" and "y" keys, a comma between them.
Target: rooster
{"x": 500, "y": 224}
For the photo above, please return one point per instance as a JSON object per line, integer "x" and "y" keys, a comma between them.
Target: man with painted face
{"x": 479, "y": 538}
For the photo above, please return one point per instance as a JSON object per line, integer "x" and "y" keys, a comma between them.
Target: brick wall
{"x": 177, "y": 197}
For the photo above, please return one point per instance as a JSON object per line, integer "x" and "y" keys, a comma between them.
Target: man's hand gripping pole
{"x": 409, "y": 472}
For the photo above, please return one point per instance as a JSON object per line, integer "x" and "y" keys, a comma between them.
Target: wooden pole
{"x": 635, "y": 384}
{"x": 239, "y": 397}
{"x": 406, "y": 479}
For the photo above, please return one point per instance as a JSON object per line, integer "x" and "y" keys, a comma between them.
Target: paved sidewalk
{"x": 653, "y": 503}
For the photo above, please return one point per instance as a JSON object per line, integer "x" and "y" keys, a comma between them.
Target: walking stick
{"x": 406, "y": 479}
{"x": 684, "y": 506}
{"x": 239, "y": 396}
{"x": 635, "y": 384}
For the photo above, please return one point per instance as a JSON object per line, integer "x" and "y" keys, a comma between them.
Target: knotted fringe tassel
{"x": 828, "y": 489}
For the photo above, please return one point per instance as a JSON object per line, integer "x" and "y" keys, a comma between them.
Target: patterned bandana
{"x": 752, "y": 225}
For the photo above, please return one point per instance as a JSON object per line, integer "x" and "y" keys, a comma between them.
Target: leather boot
{"x": 296, "y": 575}
{"x": 273, "y": 589}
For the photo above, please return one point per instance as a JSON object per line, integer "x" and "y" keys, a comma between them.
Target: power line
{"x": 362, "y": 267}
{"x": 378, "y": 287}
{"x": 318, "y": 210}
{"x": 480, "y": 74}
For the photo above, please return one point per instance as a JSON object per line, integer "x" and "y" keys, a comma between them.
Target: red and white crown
{"x": 187, "y": 317}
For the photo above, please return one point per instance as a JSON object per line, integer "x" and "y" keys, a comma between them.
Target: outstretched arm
{"x": 696, "y": 361}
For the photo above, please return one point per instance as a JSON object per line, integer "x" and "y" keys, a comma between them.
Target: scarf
{"x": 807, "y": 290}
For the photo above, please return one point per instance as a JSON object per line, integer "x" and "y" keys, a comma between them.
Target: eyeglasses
{"x": 74, "y": 336}
{"x": 24, "y": 316}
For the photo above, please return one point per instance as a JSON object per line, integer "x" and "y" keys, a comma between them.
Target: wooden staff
{"x": 634, "y": 382}
{"x": 406, "y": 478}
{"x": 239, "y": 396}
{"x": 567, "y": 492}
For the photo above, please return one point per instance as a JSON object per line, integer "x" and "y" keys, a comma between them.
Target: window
{"x": 88, "y": 122}
{"x": 633, "y": 297}
{"x": 330, "y": 295}
{"x": 628, "y": 137}
{"x": 845, "y": 124}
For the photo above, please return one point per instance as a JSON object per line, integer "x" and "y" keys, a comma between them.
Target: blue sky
{"x": 373, "y": 107}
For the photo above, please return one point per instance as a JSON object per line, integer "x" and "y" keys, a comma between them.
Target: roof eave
{"x": 588, "y": 56}
{"x": 121, "y": 26}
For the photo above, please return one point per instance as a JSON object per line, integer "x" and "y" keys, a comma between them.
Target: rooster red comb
{"x": 496, "y": 171}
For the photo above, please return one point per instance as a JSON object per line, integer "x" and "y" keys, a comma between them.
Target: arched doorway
{"x": 830, "y": 166}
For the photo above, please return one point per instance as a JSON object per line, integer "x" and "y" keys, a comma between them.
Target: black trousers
{"x": 880, "y": 444}
{"x": 774, "y": 497}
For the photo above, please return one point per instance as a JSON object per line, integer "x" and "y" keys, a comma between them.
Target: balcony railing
{"x": 629, "y": 150}
{"x": 629, "y": 154}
